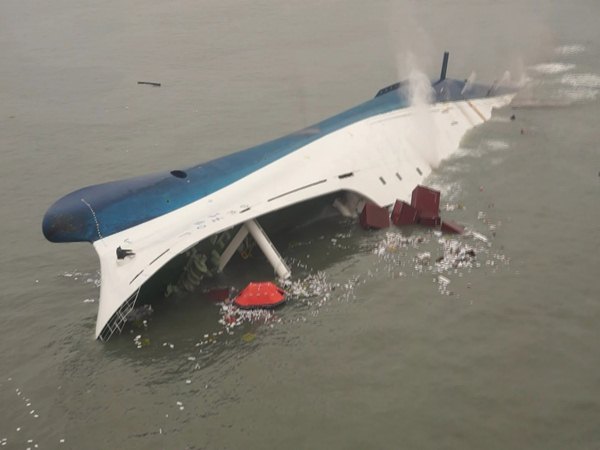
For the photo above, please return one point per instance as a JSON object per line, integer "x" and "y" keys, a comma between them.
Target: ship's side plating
{"x": 379, "y": 150}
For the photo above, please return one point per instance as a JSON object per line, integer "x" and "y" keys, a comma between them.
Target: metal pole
{"x": 265, "y": 244}
{"x": 232, "y": 247}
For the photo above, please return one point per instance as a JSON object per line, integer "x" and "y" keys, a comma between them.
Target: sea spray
{"x": 469, "y": 83}
{"x": 423, "y": 134}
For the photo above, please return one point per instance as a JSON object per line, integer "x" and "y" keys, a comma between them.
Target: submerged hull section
{"x": 380, "y": 150}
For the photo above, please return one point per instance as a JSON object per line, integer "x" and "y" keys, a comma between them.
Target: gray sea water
{"x": 373, "y": 350}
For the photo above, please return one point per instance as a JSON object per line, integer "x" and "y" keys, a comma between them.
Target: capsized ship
{"x": 379, "y": 151}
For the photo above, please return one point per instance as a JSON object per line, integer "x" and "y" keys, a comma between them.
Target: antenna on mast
{"x": 444, "y": 66}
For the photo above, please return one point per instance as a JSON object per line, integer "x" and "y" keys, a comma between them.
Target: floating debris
{"x": 85, "y": 277}
{"x": 457, "y": 255}
{"x": 394, "y": 241}
{"x": 423, "y": 258}
{"x": 478, "y": 236}
{"x": 452, "y": 206}
{"x": 443, "y": 283}
{"x": 443, "y": 279}
{"x": 248, "y": 337}
{"x": 150, "y": 83}
{"x": 138, "y": 341}
{"x": 140, "y": 313}
{"x": 232, "y": 316}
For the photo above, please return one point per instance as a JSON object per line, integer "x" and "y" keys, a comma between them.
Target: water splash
{"x": 570, "y": 49}
{"x": 469, "y": 83}
{"x": 83, "y": 277}
{"x": 581, "y": 80}
{"x": 553, "y": 67}
{"x": 555, "y": 85}
{"x": 424, "y": 135}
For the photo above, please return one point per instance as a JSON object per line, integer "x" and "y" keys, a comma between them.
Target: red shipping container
{"x": 373, "y": 216}
{"x": 452, "y": 227}
{"x": 426, "y": 201}
{"x": 404, "y": 214}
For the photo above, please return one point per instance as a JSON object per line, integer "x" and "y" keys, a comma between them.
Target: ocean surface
{"x": 379, "y": 345}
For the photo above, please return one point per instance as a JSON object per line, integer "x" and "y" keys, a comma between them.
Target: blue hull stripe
{"x": 98, "y": 211}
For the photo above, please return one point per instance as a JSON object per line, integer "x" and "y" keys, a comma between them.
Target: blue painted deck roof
{"x": 98, "y": 211}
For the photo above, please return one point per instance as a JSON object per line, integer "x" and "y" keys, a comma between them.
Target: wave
{"x": 553, "y": 67}
{"x": 570, "y": 49}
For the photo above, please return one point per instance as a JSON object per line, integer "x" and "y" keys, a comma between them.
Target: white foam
{"x": 496, "y": 144}
{"x": 581, "y": 80}
{"x": 461, "y": 152}
{"x": 570, "y": 49}
{"x": 451, "y": 191}
{"x": 579, "y": 95}
{"x": 553, "y": 68}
